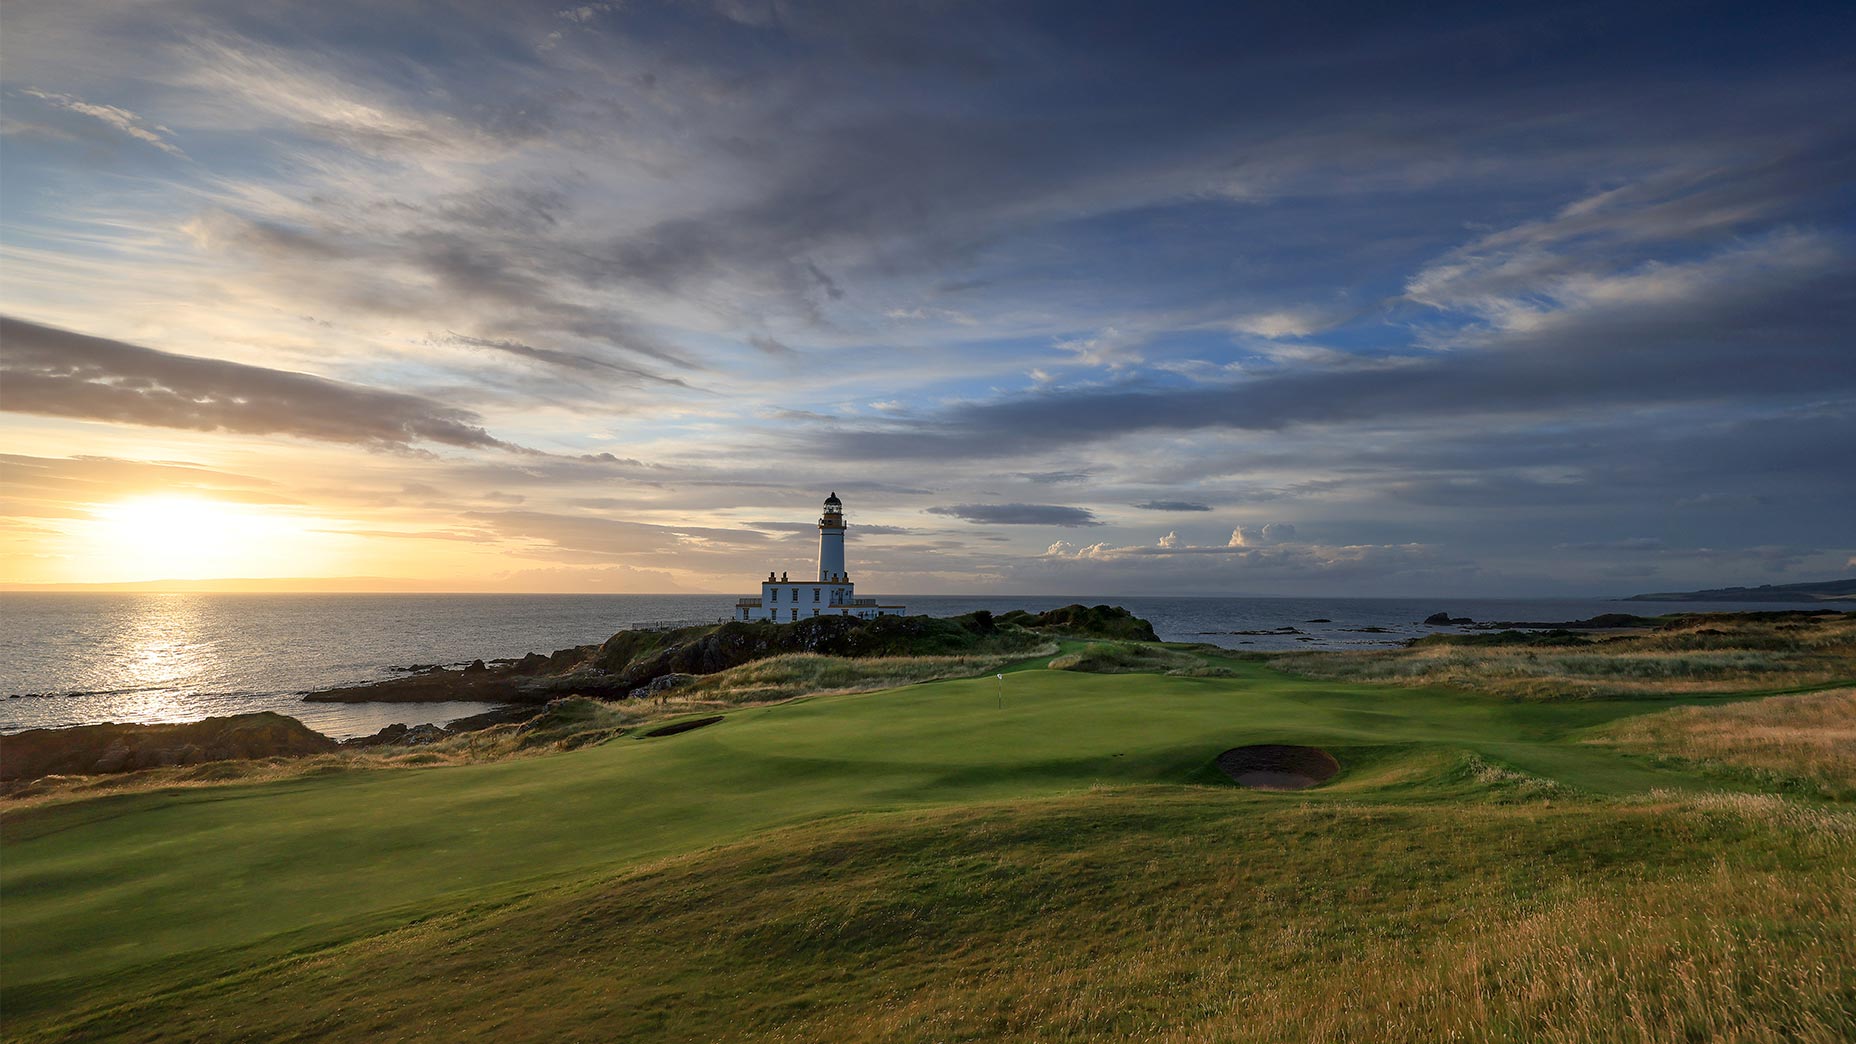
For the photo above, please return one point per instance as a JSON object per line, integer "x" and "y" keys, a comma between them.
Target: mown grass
{"x": 1151, "y": 914}
{"x": 566, "y": 724}
{"x": 1809, "y": 738}
{"x": 1697, "y": 658}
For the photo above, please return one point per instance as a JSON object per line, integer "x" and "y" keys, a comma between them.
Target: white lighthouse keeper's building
{"x": 832, "y": 594}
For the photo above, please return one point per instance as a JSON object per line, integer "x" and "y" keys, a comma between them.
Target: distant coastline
{"x": 1819, "y": 591}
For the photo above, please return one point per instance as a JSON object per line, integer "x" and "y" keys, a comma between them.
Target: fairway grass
{"x": 780, "y": 872}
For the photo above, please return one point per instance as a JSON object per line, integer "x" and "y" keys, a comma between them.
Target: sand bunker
{"x": 683, "y": 726}
{"x": 1277, "y": 766}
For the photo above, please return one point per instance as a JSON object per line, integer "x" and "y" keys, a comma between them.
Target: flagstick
{"x": 1001, "y": 692}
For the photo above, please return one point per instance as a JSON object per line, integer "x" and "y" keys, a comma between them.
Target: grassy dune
{"x": 1701, "y": 657}
{"x": 1810, "y": 738}
{"x": 924, "y": 864}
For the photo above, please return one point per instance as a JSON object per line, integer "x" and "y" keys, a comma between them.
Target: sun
{"x": 181, "y": 537}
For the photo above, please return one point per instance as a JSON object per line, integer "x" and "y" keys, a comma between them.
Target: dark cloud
{"x": 769, "y": 346}
{"x": 1173, "y": 505}
{"x": 1659, "y": 351}
{"x": 1019, "y": 514}
{"x": 59, "y": 373}
{"x": 869, "y": 529}
{"x": 566, "y": 360}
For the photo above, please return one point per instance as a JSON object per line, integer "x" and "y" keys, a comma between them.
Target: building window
{"x": 774, "y": 593}
{"x": 815, "y": 594}
{"x": 815, "y": 612}
{"x": 795, "y": 594}
{"x": 795, "y": 615}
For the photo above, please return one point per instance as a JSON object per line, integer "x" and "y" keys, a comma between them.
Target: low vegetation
{"x": 1152, "y": 914}
{"x": 805, "y": 674}
{"x": 1126, "y": 658}
{"x": 1055, "y": 856}
{"x": 1689, "y": 655}
{"x": 1809, "y": 739}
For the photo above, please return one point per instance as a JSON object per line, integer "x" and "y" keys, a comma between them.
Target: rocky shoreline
{"x": 110, "y": 748}
{"x": 630, "y": 665}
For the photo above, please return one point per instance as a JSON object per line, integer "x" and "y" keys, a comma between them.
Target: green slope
{"x": 107, "y": 898}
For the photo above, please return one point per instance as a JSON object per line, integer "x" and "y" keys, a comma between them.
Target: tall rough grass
{"x": 1808, "y": 737}
{"x": 1700, "y": 658}
{"x": 1125, "y": 658}
{"x": 809, "y": 674}
{"x": 1145, "y": 916}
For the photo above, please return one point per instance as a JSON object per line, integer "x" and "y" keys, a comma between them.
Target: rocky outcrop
{"x": 418, "y": 735}
{"x": 1086, "y": 621}
{"x": 634, "y": 663}
{"x": 660, "y": 685}
{"x": 107, "y": 748}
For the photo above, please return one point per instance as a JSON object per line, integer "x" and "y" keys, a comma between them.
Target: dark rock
{"x": 1271, "y": 631}
{"x": 419, "y": 735}
{"x": 1446, "y": 620}
{"x": 476, "y": 667}
{"x": 1318, "y": 619}
{"x": 489, "y": 719}
{"x": 391, "y": 734}
{"x": 660, "y": 685}
{"x": 109, "y": 747}
{"x": 1603, "y": 621}
{"x": 115, "y": 758}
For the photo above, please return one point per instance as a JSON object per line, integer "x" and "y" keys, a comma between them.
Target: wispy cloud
{"x": 1019, "y": 514}
{"x": 119, "y": 119}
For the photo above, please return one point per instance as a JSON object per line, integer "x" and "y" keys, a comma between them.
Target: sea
{"x": 82, "y": 658}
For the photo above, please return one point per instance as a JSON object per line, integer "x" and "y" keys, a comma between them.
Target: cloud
{"x": 769, "y": 346}
{"x": 60, "y": 373}
{"x": 1277, "y": 324}
{"x": 1172, "y": 505}
{"x": 1270, "y": 533}
{"x": 1019, "y": 514}
{"x": 1677, "y": 335}
{"x": 67, "y": 487}
{"x": 1110, "y": 348}
{"x": 119, "y": 119}
{"x": 869, "y": 529}
{"x": 591, "y": 537}
{"x": 566, "y": 360}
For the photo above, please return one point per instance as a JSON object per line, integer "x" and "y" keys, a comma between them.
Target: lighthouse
{"x": 831, "y": 541}
{"x": 832, "y": 594}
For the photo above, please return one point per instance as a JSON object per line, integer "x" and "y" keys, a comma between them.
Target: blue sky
{"x": 1095, "y": 299}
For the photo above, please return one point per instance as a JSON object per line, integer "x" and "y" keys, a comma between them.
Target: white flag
{"x": 1001, "y": 677}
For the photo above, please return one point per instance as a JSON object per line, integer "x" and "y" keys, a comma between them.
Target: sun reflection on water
{"x": 162, "y": 645}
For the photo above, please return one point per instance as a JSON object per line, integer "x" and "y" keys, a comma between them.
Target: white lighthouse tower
{"x": 832, "y": 594}
{"x": 831, "y": 541}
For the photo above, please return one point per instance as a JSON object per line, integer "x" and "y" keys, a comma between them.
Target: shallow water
{"x": 73, "y": 659}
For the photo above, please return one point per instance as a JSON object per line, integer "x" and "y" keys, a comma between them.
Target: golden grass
{"x": 810, "y": 674}
{"x": 1700, "y": 658}
{"x": 1130, "y": 916}
{"x": 1810, "y": 737}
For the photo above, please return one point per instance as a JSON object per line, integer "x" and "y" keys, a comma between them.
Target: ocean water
{"x": 75, "y": 659}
